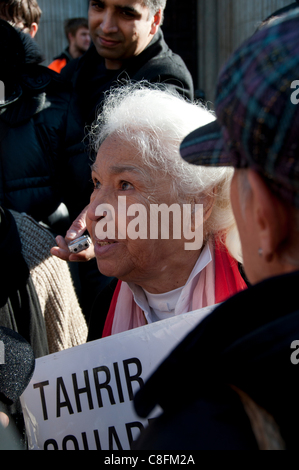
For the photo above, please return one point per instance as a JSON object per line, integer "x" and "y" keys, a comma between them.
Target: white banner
{"x": 82, "y": 398}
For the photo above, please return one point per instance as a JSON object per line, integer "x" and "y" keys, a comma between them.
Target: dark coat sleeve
{"x": 100, "y": 311}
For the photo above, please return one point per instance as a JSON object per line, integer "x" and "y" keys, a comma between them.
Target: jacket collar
{"x": 93, "y": 59}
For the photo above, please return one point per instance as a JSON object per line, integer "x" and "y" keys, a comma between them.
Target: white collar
{"x": 140, "y": 297}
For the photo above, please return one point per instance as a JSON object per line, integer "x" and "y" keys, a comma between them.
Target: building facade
{"x": 222, "y": 26}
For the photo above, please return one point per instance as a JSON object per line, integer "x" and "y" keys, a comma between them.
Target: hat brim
{"x": 205, "y": 146}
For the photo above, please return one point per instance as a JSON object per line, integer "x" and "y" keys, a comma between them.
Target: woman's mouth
{"x": 102, "y": 247}
{"x": 105, "y": 243}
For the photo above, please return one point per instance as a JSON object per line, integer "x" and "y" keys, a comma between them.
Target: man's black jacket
{"x": 156, "y": 64}
{"x": 245, "y": 343}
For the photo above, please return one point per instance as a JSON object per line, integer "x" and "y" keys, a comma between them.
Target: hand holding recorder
{"x": 75, "y": 247}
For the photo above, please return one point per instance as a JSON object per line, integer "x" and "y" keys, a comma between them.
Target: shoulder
{"x": 159, "y": 64}
{"x": 70, "y": 69}
{"x": 74, "y": 67}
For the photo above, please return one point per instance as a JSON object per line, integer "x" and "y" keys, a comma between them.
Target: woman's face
{"x": 121, "y": 180}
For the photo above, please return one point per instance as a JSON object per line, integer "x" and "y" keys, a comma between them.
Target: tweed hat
{"x": 257, "y": 108}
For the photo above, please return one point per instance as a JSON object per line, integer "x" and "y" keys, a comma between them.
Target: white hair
{"x": 155, "y": 5}
{"x": 156, "y": 120}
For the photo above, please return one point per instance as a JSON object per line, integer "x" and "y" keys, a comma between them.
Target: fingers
{"x": 61, "y": 251}
{"x": 78, "y": 227}
{"x": 76, "y": 230}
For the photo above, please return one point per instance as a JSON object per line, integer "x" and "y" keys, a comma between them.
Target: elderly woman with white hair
{"x": 138, "y": 171}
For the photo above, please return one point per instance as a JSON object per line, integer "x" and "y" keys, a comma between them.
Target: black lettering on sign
{"x": 118, "y": 383}
{"x": 129, "y": 428}
{"x": 80, "y": 391}
{"x": 62, "y": 404}
{"x": 133, "y": 378}
{"x": 51, "y": 442}
{"x": 105, "y": 385}
{"x": 97, "y": 439}
{"x": 43, "y": 398}
{"x": 68, "y": 439}
{"x": 113, "y": 436}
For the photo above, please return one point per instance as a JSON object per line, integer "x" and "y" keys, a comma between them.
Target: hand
{"x": 76, "y": 230}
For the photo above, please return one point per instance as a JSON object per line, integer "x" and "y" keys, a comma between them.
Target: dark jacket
{"x": 64, "y": 55}
{"x": 99, "y": 311}
{"x": 61, "y": 61}
{"x": 41, "y": 162}
{"x": 156, "y": 64}
{"x": 245, "y": 343}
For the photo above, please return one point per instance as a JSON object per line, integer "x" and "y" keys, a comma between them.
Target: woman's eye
{"x": 96, "y": 184}
{"x": 125, "y": 186}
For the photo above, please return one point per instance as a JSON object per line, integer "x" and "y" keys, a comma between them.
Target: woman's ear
{"x": 269, "y": 215}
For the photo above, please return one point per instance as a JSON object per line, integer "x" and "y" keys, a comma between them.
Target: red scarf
{"x": 228, "y": 282}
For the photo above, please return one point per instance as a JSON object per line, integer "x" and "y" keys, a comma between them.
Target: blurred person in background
{"x": 23, "y": 14}
{"x": 78, "y": 37}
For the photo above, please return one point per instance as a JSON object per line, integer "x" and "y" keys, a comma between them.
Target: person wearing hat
{"x": 233, "y": 382}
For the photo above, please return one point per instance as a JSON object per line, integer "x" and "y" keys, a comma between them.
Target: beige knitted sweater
{"x": 65, "y": 323}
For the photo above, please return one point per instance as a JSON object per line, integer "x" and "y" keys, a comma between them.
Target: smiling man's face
{"x": 121, "y": 29}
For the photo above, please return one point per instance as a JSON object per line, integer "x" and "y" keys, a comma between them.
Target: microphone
{"x": 17, "y": 364}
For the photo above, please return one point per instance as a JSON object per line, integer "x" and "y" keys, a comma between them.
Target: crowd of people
{"x": 233, "y": 174}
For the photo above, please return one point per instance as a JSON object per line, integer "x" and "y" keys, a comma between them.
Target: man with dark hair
{"x": 24, "y": 14}
{"x": 127, "y": 44}
{"x": 78, "y": 37}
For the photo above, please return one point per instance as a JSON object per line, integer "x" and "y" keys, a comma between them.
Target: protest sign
{"x": 82, "y": 398}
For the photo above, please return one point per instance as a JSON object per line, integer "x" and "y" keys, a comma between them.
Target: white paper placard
{"x": 82, "y": 398}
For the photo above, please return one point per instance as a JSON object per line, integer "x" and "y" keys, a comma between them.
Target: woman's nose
{"x": 92, "y": 208}
{"x": 100, "y": 205}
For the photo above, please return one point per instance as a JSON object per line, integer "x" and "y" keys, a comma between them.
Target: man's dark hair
{"x": 72, "y": 25}
{"x": 20, "y": 11}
